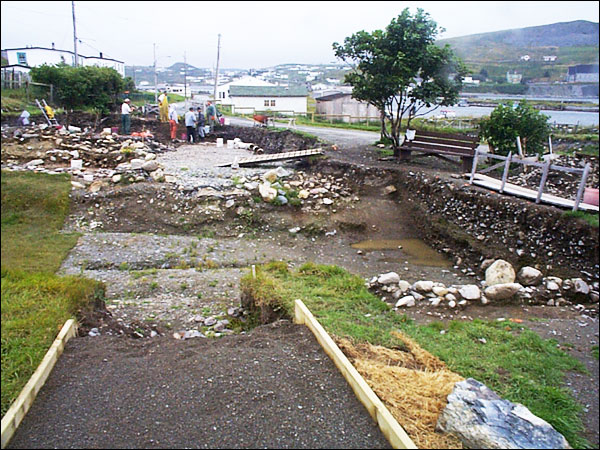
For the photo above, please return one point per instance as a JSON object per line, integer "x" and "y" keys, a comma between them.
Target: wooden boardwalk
{"x": 274, "y": 157}
{"x": 519, "y": 191}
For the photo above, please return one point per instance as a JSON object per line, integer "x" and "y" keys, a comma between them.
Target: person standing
{"x": 200, "y": 121}
{"x": 190, "y": 121}
{"x": 163, "y": 107}
{"x": 126, "y": 116}
{"x": 211, "y": 114}
{"x": 24, "y": 118}
{"x": 173, "y": 121}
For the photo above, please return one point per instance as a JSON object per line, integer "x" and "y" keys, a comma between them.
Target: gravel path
{"x": 273, "y": 388}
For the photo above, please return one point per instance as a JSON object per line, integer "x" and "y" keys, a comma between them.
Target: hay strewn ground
{"x": 413, "y": 384}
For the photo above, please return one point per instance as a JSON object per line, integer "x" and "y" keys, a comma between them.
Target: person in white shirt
{"x": 190, "y": 123}
{"x": 24, "y": 118}
{"x": 126, "y": 116}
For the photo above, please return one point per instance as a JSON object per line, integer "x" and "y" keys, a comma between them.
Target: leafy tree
{"x": 93, "y": 87}
{"x": 506, "y": 122}
{"x": 401, "y": 71}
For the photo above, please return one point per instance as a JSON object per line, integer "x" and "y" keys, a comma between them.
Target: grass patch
{"x": 591, "y": 218}
{"x": 514, "y": 361}
{"x": 34, "y": 208}
{"x": 35, "y": 302}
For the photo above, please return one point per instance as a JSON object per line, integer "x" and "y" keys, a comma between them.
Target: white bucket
{"x": 229, "y": 143}
{"x": 219, "y": 142}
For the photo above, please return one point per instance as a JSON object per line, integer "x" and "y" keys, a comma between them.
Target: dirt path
{"x": 273, "y": 388}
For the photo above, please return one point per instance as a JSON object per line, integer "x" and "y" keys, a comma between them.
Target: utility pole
{"x": 185, "y": 80}
{"x": 155, "y": 79}
{"x": 217, "y": 71}
{"x": 74, "y": 34}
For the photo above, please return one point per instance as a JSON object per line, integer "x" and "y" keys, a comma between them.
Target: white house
{"x": 549, "y": 58}
{"x": 37, "y": 56}
{"x": 223, "y": 90}
{"x": 251, "y": 99}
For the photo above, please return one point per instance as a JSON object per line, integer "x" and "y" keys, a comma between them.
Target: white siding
{"x": 34, "y": 57}
{"x": 282, "y": 104}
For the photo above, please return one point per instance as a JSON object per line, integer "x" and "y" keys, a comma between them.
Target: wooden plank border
{"x": 18, "y": 409}
{"x": 390, "y": 428}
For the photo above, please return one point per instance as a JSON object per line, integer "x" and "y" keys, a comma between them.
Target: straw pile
{"x": 413, "y": 385}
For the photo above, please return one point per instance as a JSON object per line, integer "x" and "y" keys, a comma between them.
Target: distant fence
{"x": 12, "y": 79}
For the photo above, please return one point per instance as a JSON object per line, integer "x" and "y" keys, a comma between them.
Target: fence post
{"x": 543, "y": 181}
{"x": 505, "y": 173}
{"x": 584, "y": 176}
{"x": 474, "y": 168}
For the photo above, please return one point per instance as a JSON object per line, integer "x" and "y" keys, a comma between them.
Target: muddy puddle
{"x": 415, "y": 251}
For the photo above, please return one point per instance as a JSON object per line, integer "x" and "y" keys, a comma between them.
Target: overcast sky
{"x": 253, "y": 34}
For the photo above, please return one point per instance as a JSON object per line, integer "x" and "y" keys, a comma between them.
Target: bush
{"x": 507, "y": 122}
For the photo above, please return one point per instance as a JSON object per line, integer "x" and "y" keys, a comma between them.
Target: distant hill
{"x": 505, "y": 45}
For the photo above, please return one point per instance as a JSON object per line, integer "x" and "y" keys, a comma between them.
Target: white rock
{"x": 581, "y": 287}
{"x": 552, "y": 285}
{"x": 450, "y": 297}
{"x": 435, "y": 301}
{"x": 158, "y": 175}
{"x": 404, "y": 285}
{"x": 407, "y": 301}
{"x": 500, "y": 272}
{"x": 116, "y": 178}
{"x": 327, "y": 201}
{"x": 439, "y": 291}
{"x": 270, "y": 176}
{"x": 267, "y": 192}
{"x": 303, "y": 194}
{"x": 76, "y": 164}
{"x": 150, "y": 166}
{"x": 229, "y": 203}
{"x": 470, "y": 292}
{"x": 137, "y": 163}
{"x": 530, "y": 276}
{"x": 502, "y": 291}
{"x": 423, "y": 286}
{"x": 388, "y": 278}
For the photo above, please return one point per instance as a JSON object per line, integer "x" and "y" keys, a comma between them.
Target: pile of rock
{"x": 281, "y": 186}
{"x": 500, "y": 284}
{"x": 213, "y": 326}
{"x": 89, "y": 157}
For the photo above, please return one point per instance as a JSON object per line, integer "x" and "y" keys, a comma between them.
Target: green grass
{"x": 514, "y": 362}
{"x": 591, "y": 218}
{"x": 35, "y": 302}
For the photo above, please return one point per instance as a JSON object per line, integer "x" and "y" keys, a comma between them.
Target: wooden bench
{"x": 441, "y": 145}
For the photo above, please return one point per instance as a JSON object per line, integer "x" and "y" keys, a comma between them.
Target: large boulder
{"x": 500, "y": 272}
{"x": 481, "y": 419}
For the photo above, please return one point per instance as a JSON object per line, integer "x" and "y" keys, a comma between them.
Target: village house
{"x": 346, "y": 108}
{"x": 223, "y": 90}
{"x": 286, "y": 100}
{"x": 583, "y": 73}
{"x": 27, "y": 57}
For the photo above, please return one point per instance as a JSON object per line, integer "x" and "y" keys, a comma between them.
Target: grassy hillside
{"x": 498, "y": 52}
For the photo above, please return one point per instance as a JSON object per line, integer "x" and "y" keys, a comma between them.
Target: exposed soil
{"x": 172, "y": 256}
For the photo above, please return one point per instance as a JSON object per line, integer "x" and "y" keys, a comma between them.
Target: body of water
{"x": 555, "y": 117}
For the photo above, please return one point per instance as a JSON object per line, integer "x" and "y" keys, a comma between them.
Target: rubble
{"x": 540, "y": 290}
